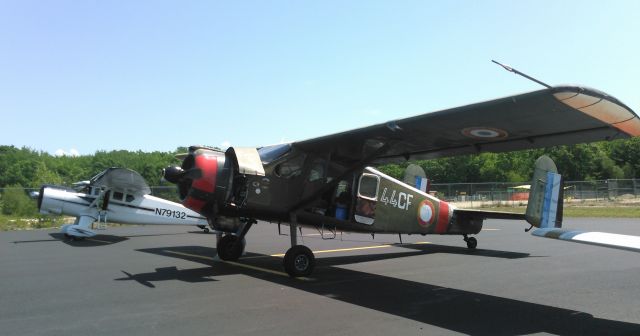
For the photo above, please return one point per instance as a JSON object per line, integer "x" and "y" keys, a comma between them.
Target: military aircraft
{"x": 328, "y": 182}
{"x": 117, "y": 194}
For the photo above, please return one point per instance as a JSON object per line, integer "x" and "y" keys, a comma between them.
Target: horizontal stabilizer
{"x": 482, "y": 214}
{"x": 612, "y": 240}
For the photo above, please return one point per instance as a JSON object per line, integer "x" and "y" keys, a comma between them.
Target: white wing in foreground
{"x": 612, "y": 240}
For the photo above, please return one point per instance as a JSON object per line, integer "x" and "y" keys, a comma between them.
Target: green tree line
{"x": 617, "y": 159}
{"x": 25, "y": 167}
{"x": 28, "y": 168}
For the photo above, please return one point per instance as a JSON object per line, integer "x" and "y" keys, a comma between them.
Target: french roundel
{"x": 426, "y": 213}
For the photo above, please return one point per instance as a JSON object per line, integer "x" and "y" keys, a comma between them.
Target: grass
{"x": 10, "y": 223}
{"x": 585, "y": 211}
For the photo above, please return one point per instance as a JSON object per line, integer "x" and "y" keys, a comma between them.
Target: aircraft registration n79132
{"x": 328, "y": 182}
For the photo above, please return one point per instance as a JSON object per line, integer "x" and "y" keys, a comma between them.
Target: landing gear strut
{"x": 299, "y": 261}
{"x": 472, "y": 243}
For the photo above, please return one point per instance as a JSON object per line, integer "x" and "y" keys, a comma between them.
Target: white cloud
{"x": 61, "y": 152}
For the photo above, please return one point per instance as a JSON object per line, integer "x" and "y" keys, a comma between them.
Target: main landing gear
{"x": 203, "y": 228}
{"x": 299, "y": 261}
{"x": 230, "y": 247}
{"x": 472, "y": 243}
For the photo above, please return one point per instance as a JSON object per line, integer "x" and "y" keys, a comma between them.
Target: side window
{"x": 290, "y": 168}
{"x": 317, "y": 170}
{"x": 342, "y": 187}
{"x": 368, "y": 186}
{"x": 117, "y": 196}
{"x": 129, "y": 198}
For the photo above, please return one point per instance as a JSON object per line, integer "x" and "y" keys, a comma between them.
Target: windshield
{"x": 269, "y": 154}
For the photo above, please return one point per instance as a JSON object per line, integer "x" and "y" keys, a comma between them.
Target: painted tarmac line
{"x": 357, "y": 248}
{"x": 189, "y": 255}
{"x": 251, "y": 267}
{"x": 99, "y": 241}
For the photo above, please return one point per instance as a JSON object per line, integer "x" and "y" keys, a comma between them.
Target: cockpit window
{"x": 117, "y": 195}
{"x": 129, "y": 198}
{"x": 269, "y": 154}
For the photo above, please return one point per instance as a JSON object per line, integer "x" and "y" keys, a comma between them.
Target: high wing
{"x": 121, "y": 179}
{"x": 554, "y": 116}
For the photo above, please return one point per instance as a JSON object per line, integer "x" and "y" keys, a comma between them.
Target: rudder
{"x": 545, "y": 206}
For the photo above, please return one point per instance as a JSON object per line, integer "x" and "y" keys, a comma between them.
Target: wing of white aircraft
{"x": 612, "y": 240}
{"x": 123, "y": 179}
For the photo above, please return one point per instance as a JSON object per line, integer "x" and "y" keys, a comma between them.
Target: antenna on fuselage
{"x": 510, "y": 69}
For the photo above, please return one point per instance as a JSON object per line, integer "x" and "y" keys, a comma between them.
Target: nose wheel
{"x": 472, "y": 243}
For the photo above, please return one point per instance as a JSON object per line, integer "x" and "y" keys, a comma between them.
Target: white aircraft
{"x": 117, "y": 194}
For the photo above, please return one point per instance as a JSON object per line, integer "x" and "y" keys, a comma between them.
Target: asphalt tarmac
{"x": 165, "y": 281}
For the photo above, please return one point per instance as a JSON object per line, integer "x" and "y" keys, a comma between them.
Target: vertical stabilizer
{"x": 544, "y": 209}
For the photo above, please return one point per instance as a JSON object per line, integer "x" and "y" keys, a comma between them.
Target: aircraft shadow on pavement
{"x": 457, "y": 310}
{"x": 98, "y": 240}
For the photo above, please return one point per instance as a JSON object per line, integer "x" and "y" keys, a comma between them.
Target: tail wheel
{"x": 299, "y": 261}
{"x": 230, "y": 248}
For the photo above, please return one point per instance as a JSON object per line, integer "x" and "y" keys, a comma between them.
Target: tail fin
{"x": 544, "y": 209}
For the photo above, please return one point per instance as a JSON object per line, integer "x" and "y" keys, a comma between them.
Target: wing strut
{"x": 510, "y": 69}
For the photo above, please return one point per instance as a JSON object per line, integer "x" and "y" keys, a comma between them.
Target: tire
{"x": 299, "y": 261}
{"x": 472, "y": 242}
{"x": 230, "y": 248}
{"x": 206, "y": 230}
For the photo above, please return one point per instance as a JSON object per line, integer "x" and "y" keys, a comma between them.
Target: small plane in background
{"x": 118, "y": 195}
{"x": 328, "y": 183}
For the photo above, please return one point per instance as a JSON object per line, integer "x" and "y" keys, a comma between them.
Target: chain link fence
{"x": 505, "y": 193}
{"x": 514, "y": 193}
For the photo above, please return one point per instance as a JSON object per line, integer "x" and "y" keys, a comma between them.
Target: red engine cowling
{"x": 204, "y": 179}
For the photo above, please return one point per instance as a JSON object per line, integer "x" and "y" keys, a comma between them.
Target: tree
{"x": 16, "y": 202}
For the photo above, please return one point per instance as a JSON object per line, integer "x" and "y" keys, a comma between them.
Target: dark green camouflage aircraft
{"x": 327, "y": 182}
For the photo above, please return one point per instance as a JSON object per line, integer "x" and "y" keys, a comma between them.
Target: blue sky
{"x": 154, "y": 75}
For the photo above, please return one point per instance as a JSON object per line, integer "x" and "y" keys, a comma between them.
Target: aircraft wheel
{"x": 230, "y": 248}
{"x": 206, "y": 230}
{"x": 472, "y": 242}
{"x": 299, "y": 261}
